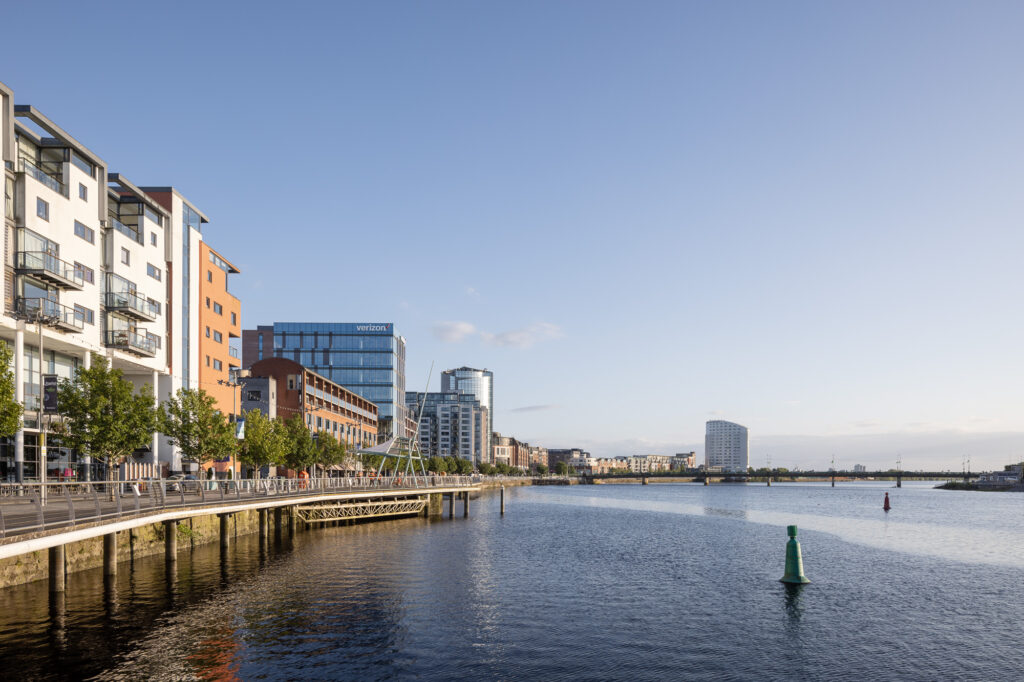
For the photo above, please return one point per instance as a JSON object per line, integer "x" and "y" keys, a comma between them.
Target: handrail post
{"x": 71, "y": 506}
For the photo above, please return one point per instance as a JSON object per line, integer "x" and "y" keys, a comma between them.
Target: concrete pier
{"x": 110, "y": 554}
{"x": 171, "y": 541}
{"x": 57, "y": 568}
{"x": 292, "y": 513}
{"x": 451, "y": 505}
{"x": 278, "y": 523}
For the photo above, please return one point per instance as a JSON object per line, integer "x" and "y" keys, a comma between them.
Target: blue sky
{"x": 804, "y": 217}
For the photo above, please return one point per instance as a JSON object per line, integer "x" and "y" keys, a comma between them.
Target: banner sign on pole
{"x": 50, "y": 393}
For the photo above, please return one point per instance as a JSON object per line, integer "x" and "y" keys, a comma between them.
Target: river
{"x": 607, "y": 582}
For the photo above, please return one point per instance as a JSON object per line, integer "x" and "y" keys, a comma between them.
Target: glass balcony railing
{"x": 130, "y": 304}
{"x": 36, "y": 172}
{"x": 124, "y": 339}
{"x": 48, "y": 312}
{"x": 126, "y": 230}
{"x": 49, "y": 267}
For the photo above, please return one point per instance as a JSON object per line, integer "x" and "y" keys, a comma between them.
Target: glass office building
{"x": 478, "y": 383}
{"x": 366, "y": 358}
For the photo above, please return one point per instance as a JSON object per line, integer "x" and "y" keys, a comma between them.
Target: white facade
{"x": 88, "y": 262}
{"x": 726, "y": 446}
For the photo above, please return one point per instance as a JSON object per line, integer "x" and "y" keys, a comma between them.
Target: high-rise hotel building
{"x": 451, "y": 424}
{"x": 93, "y": 263}
{"x": 368, "y": 358}
{"x": 725, "y": 445}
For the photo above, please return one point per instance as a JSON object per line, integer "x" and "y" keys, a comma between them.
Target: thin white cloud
{"x": 471, "y": 291}
{"x": 524, "y": 338}
{"x": 534, "y": 408}
{"x": 453, "y": 331}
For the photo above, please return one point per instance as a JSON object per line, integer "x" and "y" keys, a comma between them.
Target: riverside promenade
{"x": 144, "y": 514}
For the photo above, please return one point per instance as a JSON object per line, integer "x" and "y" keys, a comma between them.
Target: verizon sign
{"x": 373, "y": 327}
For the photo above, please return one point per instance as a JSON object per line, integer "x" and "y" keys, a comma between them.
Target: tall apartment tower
{"x": 451, "y": 424}
{"x": 478, "y": 383}
{"x": 366, "y": 358}
{"x": 88, "y": 269}
{"x": 725, "y": 445}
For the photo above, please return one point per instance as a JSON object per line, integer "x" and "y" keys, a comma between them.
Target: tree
{"x": 485, "y": 469}
{"x": 191, "y": 421}
{"x": 542, "y": 469}
{"x": 437, "y": 465}
{"x": 451, "y": 464}
{"x": 102, "y": 413}
{"x": 562, "y": 468}
{"x": 328, "y": 450}
{"x": 265, "y": 443}
{"x": 463, "y": 467}
{"x": 10, "y": 409}
{"x": 502, "y": 468}
{"x": 302, "y": 451}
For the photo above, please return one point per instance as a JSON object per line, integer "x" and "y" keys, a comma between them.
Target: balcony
{"x": 129, "y": 341}
{"x": 29, "y": 168}
{"x": 130, "y": 232}
{"x": 51, "y": 313}
{"x": 48, "y": 267}
{"x": 131, "y": 305}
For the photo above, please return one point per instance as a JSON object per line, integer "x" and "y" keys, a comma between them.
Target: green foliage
{"x": 485, "y": 469}
{"x": 266, "y": 441}
{"x": 103, "y": 415}
{"x": 10, "y": 409}
{"x": 302, "y": 450}
{"x": 463, "y": 467}
{"x": 371, "y": 462}
{"x": 437, "y": 465}
{"x": 328, "y": 450}
{"x": 502, "y": 468}
{"x": 192, "y": 422}
{"x": 562, "y": 468}
{"x": 451, "y": 464}
{"x": 542, "y": 469}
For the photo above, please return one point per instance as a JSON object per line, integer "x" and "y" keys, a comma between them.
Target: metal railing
{"x": 50, "y": 312}
{"x": 42, "y": 176}
{"x": 131, "y": 303}
{"x": 50, "y": 267}
{"x": 130, "y": 232}
{"x": 34, "y": 507}
{"x": 130, "y": 341}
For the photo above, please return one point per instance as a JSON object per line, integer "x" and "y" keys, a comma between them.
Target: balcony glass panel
{"x": 49, "y": 312}
{"x": 30, "y": 168}
{"x": 46, "y": 263}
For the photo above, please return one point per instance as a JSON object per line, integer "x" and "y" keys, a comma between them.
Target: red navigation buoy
{"x": 886, "y": 505}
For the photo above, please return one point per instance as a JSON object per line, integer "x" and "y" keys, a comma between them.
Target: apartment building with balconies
{"x": 92, "y": 264}
{"x": 220, "y": 316}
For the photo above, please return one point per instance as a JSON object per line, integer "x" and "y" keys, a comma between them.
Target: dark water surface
{"x": 589, "y": 582}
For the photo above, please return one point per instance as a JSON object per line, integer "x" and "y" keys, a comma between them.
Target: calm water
{"x": 588, "y": 582}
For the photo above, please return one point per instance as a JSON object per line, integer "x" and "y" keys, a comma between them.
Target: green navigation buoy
{"x": 794, "y": 562}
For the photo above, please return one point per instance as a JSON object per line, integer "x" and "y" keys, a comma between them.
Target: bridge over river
{"x": 768, "y": 477}
{"x": 49, "y": 516}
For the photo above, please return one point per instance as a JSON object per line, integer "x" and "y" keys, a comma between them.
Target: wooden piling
{"x": 110, "y": 554}
{"x": 56, "y": 555}
{"x": 171, "y": 541}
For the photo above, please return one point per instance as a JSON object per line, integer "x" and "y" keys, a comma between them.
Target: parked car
{"x": 182, "y": 482}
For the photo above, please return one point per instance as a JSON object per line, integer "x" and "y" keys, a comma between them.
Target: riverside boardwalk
{"x": 50, "y": 516}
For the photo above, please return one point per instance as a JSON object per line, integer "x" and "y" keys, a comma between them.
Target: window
{"x": 218, "y": 308}
{"x": 155, "y": 305}
{"x": 87, "y": 274}
{"x": 152, "y": 215}
{"x": 42, "y": 209}
{"x": 209, "y": 275}
{"x": 254, "y": 396}
{"x": 218, "y": 337}
{"x": 234, "y": 321}
{"x": 84, "y": 232}
{"x": 154, "y": 339}
{"x": 83, "y": 192}
{"x": 126, "y": 257}
{"x": 207, "y": 301}
{"x": 207, "y": 360}
{"x": 82, "y": 165}
{"x": 207, "y": 332}
{"x": 152, "y": 238}
{"x": 218, "y": 365}
{"x": 153, "y": 271}
{"x": 84, "y": 315}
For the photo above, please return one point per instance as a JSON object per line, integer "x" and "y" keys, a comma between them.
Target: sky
{"x": 803, "y": 217}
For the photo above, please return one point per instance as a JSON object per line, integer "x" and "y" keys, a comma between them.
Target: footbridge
{"x": 38, "y": 516}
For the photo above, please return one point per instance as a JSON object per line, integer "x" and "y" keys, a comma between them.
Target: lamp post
{"x": 234, "y": 374}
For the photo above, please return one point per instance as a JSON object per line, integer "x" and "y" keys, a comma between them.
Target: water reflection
{"x": 794, "y": 601}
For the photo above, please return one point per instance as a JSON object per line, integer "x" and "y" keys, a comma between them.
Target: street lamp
{"x": 37, "y": 315}
{"x": 234, "y": 374}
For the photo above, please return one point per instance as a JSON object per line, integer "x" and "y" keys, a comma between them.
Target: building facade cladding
{"x": 478, "y": 383}
{"x": 86, "y": 271}
{"x": 451, "y": 424}
{"x": 567, "y": 455}
{"x": 366, "y": 358}
{"x": 322, "y": 404}
{"x": 220, "y": 316}
{"x": 726, "y": 446}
